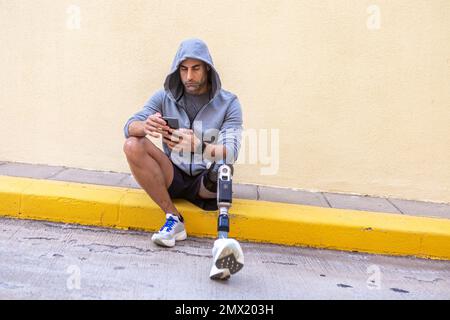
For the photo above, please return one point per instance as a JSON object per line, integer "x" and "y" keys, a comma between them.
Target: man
{"x": 206, "y": 113}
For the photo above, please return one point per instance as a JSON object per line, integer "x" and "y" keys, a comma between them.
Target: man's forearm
{"x": 136, "y": 129}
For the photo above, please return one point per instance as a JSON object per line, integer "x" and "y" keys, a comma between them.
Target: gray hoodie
{"x": 219, "y": 121}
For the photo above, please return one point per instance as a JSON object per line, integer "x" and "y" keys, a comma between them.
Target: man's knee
{"x": 133, "y": 146}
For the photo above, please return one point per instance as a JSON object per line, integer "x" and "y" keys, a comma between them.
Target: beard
{"x": 195, "y": 86}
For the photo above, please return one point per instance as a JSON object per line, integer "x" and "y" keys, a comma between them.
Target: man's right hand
{"x": 155, "y": 125}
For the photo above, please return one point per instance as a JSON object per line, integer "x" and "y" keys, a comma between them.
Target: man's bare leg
{"x": 152, "y": 169}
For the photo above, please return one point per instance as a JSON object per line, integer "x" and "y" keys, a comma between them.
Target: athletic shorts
{"x": 186, "y": 187}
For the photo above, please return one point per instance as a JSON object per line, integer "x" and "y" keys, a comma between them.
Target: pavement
{"x": 44, "y": 260}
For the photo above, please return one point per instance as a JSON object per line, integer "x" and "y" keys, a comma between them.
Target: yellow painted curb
{"x": 251, "y": 220}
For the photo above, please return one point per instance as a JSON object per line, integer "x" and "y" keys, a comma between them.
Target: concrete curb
{"x": 257, "y": 221}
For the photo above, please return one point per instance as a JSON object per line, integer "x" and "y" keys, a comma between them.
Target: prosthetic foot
{"x": 228, "y": 257}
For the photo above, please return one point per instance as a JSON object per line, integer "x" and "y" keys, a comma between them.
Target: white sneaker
{"x": 228, "y": 258}
{"x": 173, "y": 230}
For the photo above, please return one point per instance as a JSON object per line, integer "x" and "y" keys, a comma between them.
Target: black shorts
{"x": 186, "y": 187}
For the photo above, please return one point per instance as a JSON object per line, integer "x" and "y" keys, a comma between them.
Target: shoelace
{"x": 169, "y": 224}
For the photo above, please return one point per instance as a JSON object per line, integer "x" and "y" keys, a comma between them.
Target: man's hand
{"x": 155, "y": 125}
{"x": 181, "y": 139}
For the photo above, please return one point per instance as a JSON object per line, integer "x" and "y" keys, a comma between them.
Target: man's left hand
{"x": 181, "y": 139}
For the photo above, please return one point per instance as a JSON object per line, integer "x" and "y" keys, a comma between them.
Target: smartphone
{"x": 172, "y": 122}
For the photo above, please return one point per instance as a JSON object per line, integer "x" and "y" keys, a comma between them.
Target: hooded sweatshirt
{"x": 219, "y": 121}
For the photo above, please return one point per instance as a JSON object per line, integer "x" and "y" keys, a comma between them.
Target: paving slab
{"x": 345, "y": 201}
{"x": 292, "y": 196}
{"x": 89, "y": 176}
{"x": 25, "y": 170}
{"x": 420, "y": 208}
{"x": 129, "y": 182}
{"x": 245, "y": 191}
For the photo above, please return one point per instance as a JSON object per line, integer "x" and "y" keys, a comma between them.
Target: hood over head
{"x": 193, "y": 49}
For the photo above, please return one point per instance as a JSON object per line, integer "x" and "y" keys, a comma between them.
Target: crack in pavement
{"x": 95, "y": 229}
{"x": 39, "y": 238}
{"x": 98, "y": 248}
{"x": 6, "y": 285}
{"x": 281, "y": 263}
{"x": 426, "y": 281}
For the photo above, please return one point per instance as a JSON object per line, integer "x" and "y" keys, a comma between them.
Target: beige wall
{"x": 358, "y": 110}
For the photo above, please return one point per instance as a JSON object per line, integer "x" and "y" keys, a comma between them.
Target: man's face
{"x": 194, "y": 75}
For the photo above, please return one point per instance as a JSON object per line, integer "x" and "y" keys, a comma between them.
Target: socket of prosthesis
{"x": 210, "y": 179}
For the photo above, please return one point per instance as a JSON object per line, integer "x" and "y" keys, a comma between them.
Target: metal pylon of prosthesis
{"x": 224, "y": 199}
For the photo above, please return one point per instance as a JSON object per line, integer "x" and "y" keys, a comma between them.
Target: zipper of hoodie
{"x": 190, "y": 127}
{"x": 191, "y": 123}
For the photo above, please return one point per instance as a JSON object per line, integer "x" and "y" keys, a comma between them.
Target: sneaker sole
{"x": 170, "y": 243}
{"x": 229, "y": 262}
{"x": 224, "y": 275}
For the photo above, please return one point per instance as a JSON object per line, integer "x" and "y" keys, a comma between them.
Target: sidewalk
{"x": 259, "y": 213}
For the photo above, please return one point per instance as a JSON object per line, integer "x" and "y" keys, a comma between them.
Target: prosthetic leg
{"x": 227, "y": 253}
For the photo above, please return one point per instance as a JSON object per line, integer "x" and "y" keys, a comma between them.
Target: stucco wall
{"x": 357, "y": 92}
